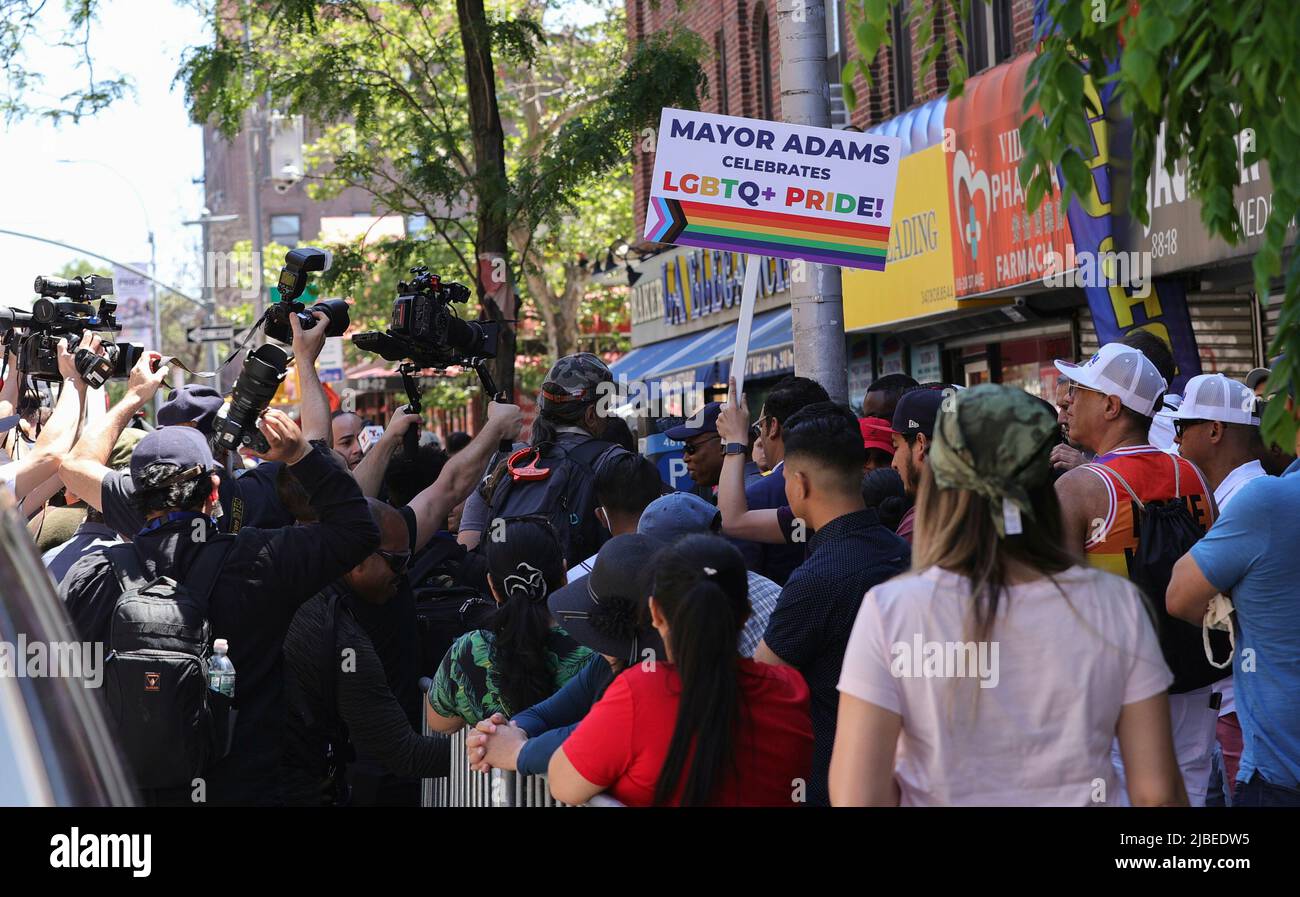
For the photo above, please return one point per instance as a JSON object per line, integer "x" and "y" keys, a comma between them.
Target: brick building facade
{"x": 744, "y": 70}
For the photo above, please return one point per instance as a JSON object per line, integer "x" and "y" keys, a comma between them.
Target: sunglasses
{"x": 692, "y": 447}
{"x": 756, "y": 428}
{"x": 1074, "y": 386}
{"x": 1181, "y": 425}
{"x": 397, "y": 560}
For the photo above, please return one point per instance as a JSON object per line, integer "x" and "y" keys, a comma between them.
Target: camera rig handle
{"x": 490, "y": 387}
{"x": 411, "y": 438}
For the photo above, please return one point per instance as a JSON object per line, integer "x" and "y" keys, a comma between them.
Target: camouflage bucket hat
{"x": 571, "y": 383}
{"x": 995, "y": 441}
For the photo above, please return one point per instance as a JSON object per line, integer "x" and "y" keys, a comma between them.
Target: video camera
{"x": 426, "y": 333}
{"x": 298, "y": 263}
{"x": 65, "y": 311}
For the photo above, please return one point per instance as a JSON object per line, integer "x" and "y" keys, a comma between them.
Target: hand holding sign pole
{"x": 748, "y": 297}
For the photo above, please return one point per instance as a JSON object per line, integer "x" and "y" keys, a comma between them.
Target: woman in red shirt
{"x": 703, "y": 726}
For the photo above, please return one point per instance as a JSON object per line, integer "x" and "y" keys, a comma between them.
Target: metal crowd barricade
{"x": 463, "y": 787}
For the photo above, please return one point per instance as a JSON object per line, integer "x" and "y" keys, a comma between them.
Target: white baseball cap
{"x": 1119, "y": 370}
{"x": 1216, "y": 397}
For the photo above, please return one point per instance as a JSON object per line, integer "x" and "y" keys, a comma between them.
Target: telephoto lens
{"x": 262, "y": 375}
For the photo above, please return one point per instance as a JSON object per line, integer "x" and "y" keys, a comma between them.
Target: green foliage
{"x": 20, "y": 32}
{"x": 388, "y": 83}
{"x": 1219, "y": 75}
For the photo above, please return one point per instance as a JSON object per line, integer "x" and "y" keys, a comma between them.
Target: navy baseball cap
{"x": 185, "y": 447}
{"x": 677, "y": 514}
{"x": 917, "y": 411}
{"x": 703, "y": 421}
{"x": 605, "y": 610}
{"x": 194, "y": 404}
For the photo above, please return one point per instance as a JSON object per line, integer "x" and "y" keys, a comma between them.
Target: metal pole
{"x": 251, "y": 132}
{"x": 112, "y": 261}
{"x": 157, "y": 313}
{"x": 816, "y": 295}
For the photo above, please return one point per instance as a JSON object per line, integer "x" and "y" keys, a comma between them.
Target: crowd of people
{"x": 944, "y": 596}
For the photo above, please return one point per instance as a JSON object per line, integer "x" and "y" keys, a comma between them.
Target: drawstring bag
{"x": 1218, "y": 616}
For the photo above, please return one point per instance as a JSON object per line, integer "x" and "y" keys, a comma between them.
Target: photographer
{"x": 249, "y": 499}
{"x": 265, "y": 576}
{"x": 42, "y": 461}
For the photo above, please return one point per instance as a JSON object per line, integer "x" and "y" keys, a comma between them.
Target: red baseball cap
{"x": 876, "y": 432}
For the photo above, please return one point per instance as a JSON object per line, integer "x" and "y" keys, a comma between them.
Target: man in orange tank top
{"x": 1112, "y": 399}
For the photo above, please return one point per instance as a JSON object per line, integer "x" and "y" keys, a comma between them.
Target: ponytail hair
{"x": 525, "y": 566}
{"x": 702, "y": 589}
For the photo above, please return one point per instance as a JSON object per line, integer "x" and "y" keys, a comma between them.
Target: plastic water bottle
{"x": 221, "y": 672}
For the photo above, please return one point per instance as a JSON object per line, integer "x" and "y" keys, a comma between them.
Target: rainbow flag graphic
{"x": 848, "y": 244}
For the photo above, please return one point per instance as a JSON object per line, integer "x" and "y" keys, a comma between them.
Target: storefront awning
{"x": 706, "y": 356}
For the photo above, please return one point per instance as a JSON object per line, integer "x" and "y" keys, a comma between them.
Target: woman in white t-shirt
{"x": 999, "y": 671}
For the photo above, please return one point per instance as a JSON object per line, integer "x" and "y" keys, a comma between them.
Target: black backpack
{"x": 1166, "y": 532}
{"x": 450, "y": 590}
{"x": 172, "y": 726}
{"x": 566, "y": 496}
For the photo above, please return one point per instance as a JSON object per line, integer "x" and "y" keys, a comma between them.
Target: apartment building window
{"x": 901, "y": 58}
{"x": 988, "y": 35}
{"x": 720, "y": 57}
{"x": 286, "y": 230}
{"x": 767, "y": 105}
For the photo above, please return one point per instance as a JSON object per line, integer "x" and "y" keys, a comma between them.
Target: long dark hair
{"x": 525, "y": 566}
{"x": 702, "y": 589}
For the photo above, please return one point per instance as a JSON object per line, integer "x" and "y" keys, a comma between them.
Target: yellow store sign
{"x": 918, "y": 276}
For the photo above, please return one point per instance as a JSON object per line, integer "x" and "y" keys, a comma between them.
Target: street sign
{"x": 329, "y": 365}
{"x": 212, "y": 333}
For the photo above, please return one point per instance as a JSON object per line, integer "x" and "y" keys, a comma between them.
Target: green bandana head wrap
{"x": 995, "y": 441}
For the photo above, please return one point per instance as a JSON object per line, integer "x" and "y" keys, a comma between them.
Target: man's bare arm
{"x": 86, "y": 465}
{"x": 60, "y": 430}
{"x": 461, "y": 473}
{"x": 1083, "y": 508}
{"x": 369, "y": 473}
{"x": 315, "y": 404}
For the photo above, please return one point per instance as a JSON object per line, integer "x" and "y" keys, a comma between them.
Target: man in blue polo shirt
{"x": 1252, "y": 555}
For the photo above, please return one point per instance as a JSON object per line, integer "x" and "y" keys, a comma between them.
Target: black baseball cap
{"x": 185, "y": 447}
{"x": 703, "y": 421}
{"x": 916, "y": 412}
{"x": 605, "y": 610}
{"x": 194, "y": 404}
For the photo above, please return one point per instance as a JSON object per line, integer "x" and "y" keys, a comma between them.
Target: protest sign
{"x": 775, "y": 189}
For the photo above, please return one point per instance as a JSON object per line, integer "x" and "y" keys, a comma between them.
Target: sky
{"x": 138, "y": 159}
{"x": 141, "y": 144}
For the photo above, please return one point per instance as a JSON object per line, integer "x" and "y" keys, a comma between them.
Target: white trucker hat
{"x": 1119, "y": 370}
{"x": 1216, "y": 397}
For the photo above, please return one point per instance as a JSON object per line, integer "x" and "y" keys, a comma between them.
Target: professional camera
{"x": 263, "y": 372}
{"x": 425, "y": 330}
{"x": 52, "y": 319}
{"x": 424, "y": 333}
{"x": 298, "y": 263}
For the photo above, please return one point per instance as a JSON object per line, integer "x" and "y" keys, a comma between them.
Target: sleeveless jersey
{"x": 1113, "y": 541}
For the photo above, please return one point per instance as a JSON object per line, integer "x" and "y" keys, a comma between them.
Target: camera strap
{"x": 208, "y": 375}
